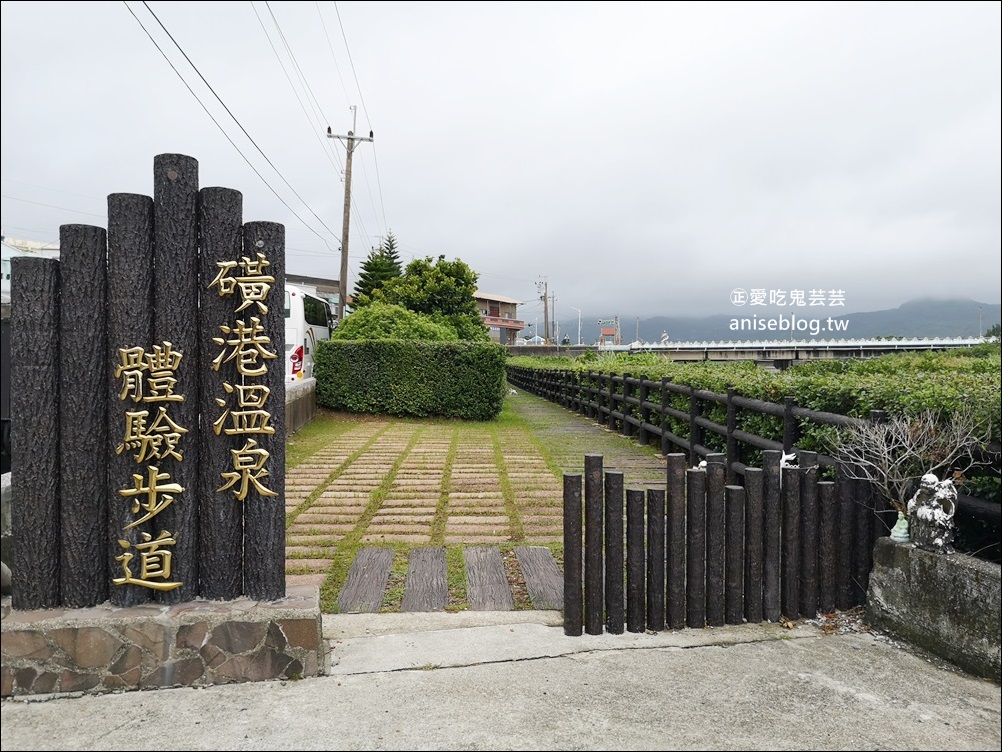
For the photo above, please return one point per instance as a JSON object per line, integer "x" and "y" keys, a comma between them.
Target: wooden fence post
{"x": 790, "y": 576}
{"x": 716, "y": 531}
{"x": 863, "y": 554}
{"x": 626, "y": 408}
{"x": 695, "y": 555}
{"x": 662, "y": 420}
{"x": 645, "y": 412}
{"x": 734, "y": 588}
{"x": 753, "y": 544}
{"x": 635, "y": 574}
{"x": 614, "y": 535}
{"x": 809, "y": 534}
{"x": 827, "y": 546}
{"x": 695, "y": 430}
{"x": 594, "y": 518}
{"x": 675, "y": 568}
{"x": 789, "y": 425}
{"x": 846, "y": 531}
{"x": 771, "y": 525}
{"x": 656, "y": 559}
{"x": 573, "y": 563}
{"x": 732, "y": 442}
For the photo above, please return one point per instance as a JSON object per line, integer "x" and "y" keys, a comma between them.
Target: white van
{"x": 308, "y": 319}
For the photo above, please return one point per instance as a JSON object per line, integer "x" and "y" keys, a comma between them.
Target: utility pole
{"x": 553, "y": 313}
{"x": 351, "y": 142}
{"x": 546, "y": 308}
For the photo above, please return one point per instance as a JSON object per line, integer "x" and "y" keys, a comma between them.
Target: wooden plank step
{"x": 363, "y": 588}
{"x": 487, "y": 587}
{"x": 426, "y": 587}
{"x": 543, "y": 579}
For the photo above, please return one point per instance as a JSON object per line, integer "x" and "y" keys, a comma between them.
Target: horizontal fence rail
{"x": 642, "y": 408}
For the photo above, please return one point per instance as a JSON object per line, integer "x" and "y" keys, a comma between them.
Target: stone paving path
{"x": 414, "y": 484}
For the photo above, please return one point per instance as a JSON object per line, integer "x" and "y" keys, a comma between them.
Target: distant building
{"x": 609, "y": 333}
{"x": 500, "y": 316}
{"x": 49, "y": 250}
{"x": 328, "y": 289}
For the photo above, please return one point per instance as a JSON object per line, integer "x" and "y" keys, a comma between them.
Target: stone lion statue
{"x": 930, "y": 514}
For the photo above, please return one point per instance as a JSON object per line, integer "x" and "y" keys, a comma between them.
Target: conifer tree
{"x": 380, "y": 266}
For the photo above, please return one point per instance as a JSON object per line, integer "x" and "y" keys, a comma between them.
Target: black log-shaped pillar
{"x": 716, "y": 556}
{"x": 175, "y": 320}
{"x": 130, "y": 326}
{"x": 594, "y": 520}
{"x": 34, "y": 431}
{"x": 220, "y": 514}
{"x": 614, "y": 531}
{"x": 83, "y": 417}
{"x": 573, "y": 556}
{"x": 695, "y": 555}
{"x": 771, "y": 526}
{"x": 675, "y": 541}
{"x": 264, "y": 505}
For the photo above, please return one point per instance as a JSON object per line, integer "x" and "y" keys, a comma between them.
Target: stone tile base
{"x": 194, "y": 644}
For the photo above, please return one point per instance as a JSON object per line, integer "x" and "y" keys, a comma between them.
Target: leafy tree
{"x": 993, "y": 333}
{"x": 380, "y": 266}
{"x": 442, "y": 289}
{"x": 379, "y": 320}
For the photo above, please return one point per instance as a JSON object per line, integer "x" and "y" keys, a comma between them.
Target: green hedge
{"x": 412, "y": 378}
{"x": 902, "y": 384}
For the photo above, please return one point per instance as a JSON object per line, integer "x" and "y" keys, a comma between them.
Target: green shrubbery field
{"x": 900, "y": 384}
{"x": 904, "y": 384}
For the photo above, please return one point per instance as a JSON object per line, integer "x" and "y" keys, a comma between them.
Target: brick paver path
{"x": 421, "y": 483}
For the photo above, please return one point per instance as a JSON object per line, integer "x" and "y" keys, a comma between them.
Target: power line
{"x": 368, "y": 120}
{"x": 327, "y": 149}
{"x": 53, "y": 190}
{"x": 51, "y": 206}
{"x": 256, "y": 172}
{"x": 330, "y": 46}
{"x": 234, "y": 117}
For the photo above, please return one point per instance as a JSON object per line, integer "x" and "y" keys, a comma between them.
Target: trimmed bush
{"x": 387, "y": 321}
{"x": 411, "y": 378}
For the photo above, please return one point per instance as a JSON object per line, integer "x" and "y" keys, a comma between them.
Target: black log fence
{"x": 646, "y": 410}
{"x": 641, "y": 408}
{"x": 700, "y": 552}
{"x": 148, "y": 418}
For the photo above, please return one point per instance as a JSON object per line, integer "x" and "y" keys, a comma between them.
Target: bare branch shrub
{"x": 894, "y": 455}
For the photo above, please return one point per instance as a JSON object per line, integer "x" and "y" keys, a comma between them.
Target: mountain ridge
{"x": 921, "y": 317}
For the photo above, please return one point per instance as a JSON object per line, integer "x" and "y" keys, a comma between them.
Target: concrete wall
{"x": 948, "y": 605}
{"x": 300, "y": 404}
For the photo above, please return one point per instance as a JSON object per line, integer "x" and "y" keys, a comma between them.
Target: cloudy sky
{"x": 641, "y": 159}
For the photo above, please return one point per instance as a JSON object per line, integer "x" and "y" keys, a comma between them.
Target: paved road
{"x": 513, "y": 681}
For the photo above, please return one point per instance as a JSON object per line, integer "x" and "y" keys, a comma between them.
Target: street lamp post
{"x": 579, "y": 323}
